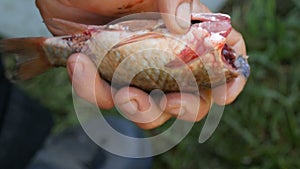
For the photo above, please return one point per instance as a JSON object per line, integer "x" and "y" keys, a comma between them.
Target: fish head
{"x": 207, "y": 34}
{"x": 208, "y": 42}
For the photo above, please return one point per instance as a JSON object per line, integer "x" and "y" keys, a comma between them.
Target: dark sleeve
{"x": 24, "y": 125}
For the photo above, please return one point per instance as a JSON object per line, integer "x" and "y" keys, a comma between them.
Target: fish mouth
{"x": 195, "y": 21}
{"x": 229, "y": 56}
{"x": 236, "y": 62}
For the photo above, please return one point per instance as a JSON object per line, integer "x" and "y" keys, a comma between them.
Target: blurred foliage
{"x": 261, "y": 130}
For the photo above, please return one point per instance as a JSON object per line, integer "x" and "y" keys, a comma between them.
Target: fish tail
{"x": 30, "y": 58}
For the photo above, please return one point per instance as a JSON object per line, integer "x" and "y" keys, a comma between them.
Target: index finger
{"x": 113, "y": 8}
{"x": 236, "y": 41}
{"x": 56, "y": 9}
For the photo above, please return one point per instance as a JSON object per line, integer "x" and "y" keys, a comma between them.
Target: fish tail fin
{"x": 30, "y": 59}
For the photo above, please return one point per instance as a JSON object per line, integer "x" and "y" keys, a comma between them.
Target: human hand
{"x": 135, "y": 103}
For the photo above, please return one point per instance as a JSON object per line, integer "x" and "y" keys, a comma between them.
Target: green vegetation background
{"x": 261, "y": 130}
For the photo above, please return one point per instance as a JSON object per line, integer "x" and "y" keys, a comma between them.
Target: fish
{"x": 137, "y": 52}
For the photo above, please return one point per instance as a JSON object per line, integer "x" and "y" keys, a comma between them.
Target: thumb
{"x": 178, "y": 14}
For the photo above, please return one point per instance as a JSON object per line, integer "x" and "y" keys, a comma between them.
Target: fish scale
{"x": 138, "y": 52}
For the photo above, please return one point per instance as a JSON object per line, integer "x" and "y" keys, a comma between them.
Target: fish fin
{"x": 30, "y": 58}
{"x": 136, "y": 38}
{"x": 66, "y": 27}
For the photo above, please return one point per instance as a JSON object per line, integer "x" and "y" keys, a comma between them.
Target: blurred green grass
{"x": 261, "y": 129}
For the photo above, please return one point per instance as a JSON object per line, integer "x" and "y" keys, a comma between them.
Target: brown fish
{"x": 139, "y": 52}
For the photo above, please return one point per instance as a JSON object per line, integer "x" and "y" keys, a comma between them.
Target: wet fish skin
{"x": 140, "y": 53}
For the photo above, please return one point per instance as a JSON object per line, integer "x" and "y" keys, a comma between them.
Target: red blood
{"x": 185, "y": 56}
{"x": 228, "y": 54}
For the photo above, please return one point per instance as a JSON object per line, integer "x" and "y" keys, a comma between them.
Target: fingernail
{"x": 130, "y": 107}
{"x": 183, "y": 15}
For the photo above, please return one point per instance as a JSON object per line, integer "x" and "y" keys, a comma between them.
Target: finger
{"x": 104, "y": 7}
{"x": 113, "y": 8}
{"x": 199, "y": 7}
{"x": 139, "y": 107}
{"x": 236, "y": 41}
{"x": 178, "y": 17}
{"x": 156, "y": 123}
{"x": 87, "y": 82}
{"x": 55, "y": 9}
{"x": 231, "y": 92}
{"x": 187, "y": 106}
